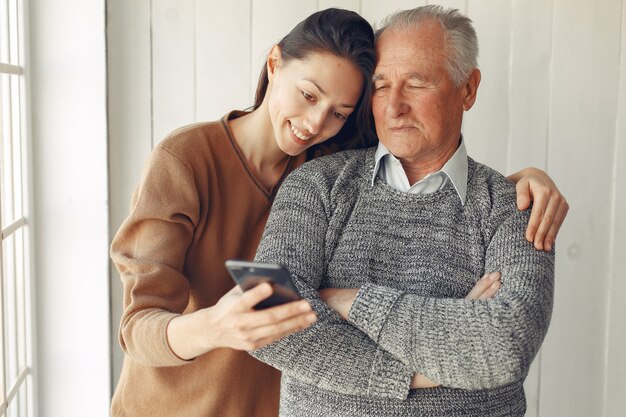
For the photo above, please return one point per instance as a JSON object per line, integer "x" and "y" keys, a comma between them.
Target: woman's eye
{"x": 339, "y": 116}
{"x": 308, "y": 96}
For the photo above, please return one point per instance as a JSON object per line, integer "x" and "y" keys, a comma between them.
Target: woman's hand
{"x": 233, "y": 323}
{"x": 549, "y": 206}
{"x": 485, "y": 288}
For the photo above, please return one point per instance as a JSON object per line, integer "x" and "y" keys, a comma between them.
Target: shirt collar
{"x": 455, "y": 168}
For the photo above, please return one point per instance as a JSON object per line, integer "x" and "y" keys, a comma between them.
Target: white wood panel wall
{"x": 553, "y": 95}
{"x": 614, "y": 399}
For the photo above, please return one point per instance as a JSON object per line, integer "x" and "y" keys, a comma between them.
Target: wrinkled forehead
{"x": 423, "y": 46}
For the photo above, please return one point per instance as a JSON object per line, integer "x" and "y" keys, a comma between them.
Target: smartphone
{"x": 250, "y": 274}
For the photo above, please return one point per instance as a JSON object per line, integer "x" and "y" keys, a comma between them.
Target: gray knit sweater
{"x": 415, "y": 257}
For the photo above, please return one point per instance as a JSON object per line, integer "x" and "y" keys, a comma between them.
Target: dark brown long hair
{"x": 347, "y": 35}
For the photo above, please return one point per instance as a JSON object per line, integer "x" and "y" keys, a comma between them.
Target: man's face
{"x": 417, "y": 108}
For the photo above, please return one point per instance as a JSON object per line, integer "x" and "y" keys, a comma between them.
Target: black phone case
{"x": 250, "y": 274}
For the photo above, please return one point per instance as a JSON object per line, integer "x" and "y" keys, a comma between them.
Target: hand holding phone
{"x": 250, "y": 274}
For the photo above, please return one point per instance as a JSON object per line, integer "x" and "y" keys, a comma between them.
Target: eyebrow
{"x": 417, "y": 76}
{"x": 316, "y": 85}
{"x": 412, "y": 76}
{"x": 348, "y": 106}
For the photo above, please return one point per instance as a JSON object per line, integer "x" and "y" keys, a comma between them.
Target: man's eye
{"x": 380, "y": 87}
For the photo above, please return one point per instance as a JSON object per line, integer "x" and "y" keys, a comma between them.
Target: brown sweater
{"x": 198, "y": 204}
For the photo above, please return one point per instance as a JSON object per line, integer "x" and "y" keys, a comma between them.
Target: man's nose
{"x": 396, "y": 104}
{"x": 314, "y": 120}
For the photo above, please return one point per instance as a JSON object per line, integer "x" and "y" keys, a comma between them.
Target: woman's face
{"x": 310, "y": 99}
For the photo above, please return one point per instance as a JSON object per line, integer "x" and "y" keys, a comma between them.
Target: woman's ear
{"x": 273, "y": 61}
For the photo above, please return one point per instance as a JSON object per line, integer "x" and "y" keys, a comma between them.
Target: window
{"x": 16, "y": 391}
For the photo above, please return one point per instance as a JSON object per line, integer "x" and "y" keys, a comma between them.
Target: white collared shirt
{"x": 389, "y": 169}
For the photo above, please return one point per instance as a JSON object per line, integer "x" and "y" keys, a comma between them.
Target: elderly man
{"x": 406, "y": 230}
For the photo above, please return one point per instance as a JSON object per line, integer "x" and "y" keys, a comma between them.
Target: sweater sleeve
{"x": 332, "y": 354}
{"x": 149, "y": 252}
{"x": 469, "y": 344}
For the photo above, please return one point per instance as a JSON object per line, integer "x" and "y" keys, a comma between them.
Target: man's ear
{"x": 470, "y": 89}
{"x": 273, "y": 61}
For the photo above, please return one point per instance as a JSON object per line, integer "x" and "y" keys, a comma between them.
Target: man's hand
{"x": 485, "y": 288}
{"x": 549, "y": 206}
{"x": 420, "y": 381}
{"x": 339, "y": 299}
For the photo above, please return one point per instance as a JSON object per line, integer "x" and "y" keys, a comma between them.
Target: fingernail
{"x": 311, "y": 317}
{"x": 304, "y": 306}
{"x": 493, "y": 276}
{"x": 495, "y": 285}
{"x": 548, "y": 247}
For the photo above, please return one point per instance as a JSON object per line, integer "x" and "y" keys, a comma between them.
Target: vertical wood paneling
{"x": 615, "y": 384}
{"x": 354, "y": 5}
{"x": 222, "y": 58}
{"x": 271, "y": 21}
{"x": 375, "y": 11}
{"x": 460, "y": 5}
{"x": 130, "y": 137}
{"x": 529, "y": 98}
{"x": 173, "y": 65}
{"x": 486, "y": 125}
{"x": 585, "y": 58}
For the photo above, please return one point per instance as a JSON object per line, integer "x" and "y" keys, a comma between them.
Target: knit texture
{"x": 415, "y": 258}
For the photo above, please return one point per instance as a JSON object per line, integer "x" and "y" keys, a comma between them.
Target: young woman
{"x": 204, "y": 197}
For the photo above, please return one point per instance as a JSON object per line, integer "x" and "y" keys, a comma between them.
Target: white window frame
{"x": 16, "y": 307}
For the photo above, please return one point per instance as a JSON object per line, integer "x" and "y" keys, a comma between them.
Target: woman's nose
{"x": 314, "y": 121}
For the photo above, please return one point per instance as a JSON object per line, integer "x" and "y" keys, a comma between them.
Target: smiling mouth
{"x": 299, "y": 134}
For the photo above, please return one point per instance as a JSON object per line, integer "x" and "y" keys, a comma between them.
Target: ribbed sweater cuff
{"x": 390, "y": 377}
{"x": 153, "y": 348}
{"x": 174, "y": 359}
{"x": 371, "y": 307}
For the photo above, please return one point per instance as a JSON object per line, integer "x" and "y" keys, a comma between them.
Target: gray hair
{"x": 459, "y": 32}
